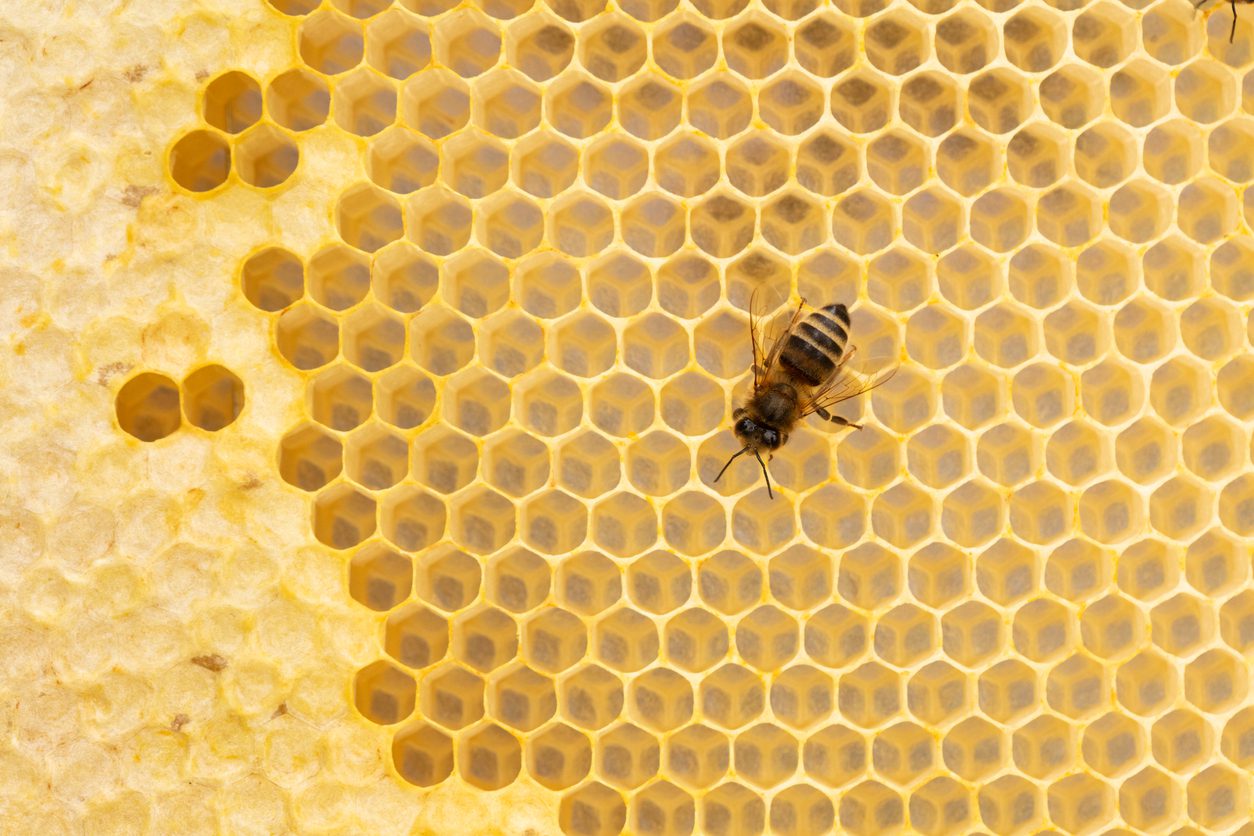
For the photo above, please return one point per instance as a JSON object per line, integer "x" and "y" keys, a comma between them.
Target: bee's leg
{"x": 836, "y": 419}
{"x": 1233, "y": 34}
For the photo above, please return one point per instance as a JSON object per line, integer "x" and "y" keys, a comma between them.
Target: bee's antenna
{"x": 729, "y": 461}
{"x": 758, "y": 456}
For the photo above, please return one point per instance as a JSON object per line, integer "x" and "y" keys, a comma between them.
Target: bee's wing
{"x": 777, "y": 334}
{"x": 852, "y": 377}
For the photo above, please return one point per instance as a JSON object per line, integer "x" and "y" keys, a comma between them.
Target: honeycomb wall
{"x": 484, "y": 272}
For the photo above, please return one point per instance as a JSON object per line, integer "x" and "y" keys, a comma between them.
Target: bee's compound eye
{"x": 770, "y": 438}
{"x": 744, "y": 426}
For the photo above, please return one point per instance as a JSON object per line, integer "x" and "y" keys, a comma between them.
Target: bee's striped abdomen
{"x": 814, "y": 347}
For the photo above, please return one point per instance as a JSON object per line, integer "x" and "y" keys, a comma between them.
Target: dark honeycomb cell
{"x": 213, "y": 397}
{"x": 148, "y": 406}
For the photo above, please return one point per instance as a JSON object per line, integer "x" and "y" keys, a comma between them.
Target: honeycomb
{"x": 370, "y": 366}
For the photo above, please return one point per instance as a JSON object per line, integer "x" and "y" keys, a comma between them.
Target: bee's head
{"x": 755, "y": 436}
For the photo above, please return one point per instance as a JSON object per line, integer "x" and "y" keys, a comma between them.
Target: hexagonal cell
{"x": 338, "y": 277}
{"x": 696, "y": 640}
{"x": 1043, "y": 630}
{"x": 331, "y": 43}
{"x": 383, "y": 693}
{"x": 627, "y": 756}
{"x": 834, "y": 755}
{"x": 684, "y": 46}
{"x": 402, "y": 161}
{"x": 590, "y": 697}
{"x": 1111, "y": 392}
{"x": 827, "y": 163}
{"x": 972, "y": 633}
{"x": 965, "y": 41}
{"x": 698, "y": 756}
{"x": 862, "y": 101}
{"x": 1069, "y": 96}
{"x": 423, "y": 755}
{"x": 474, "y": 163}
{"x": 405, "y": 397}
{"x": 523, "y": 699}
{"x": 1139, "y": 93}
{"x": 755, "y": 46}
{"x": 1218, "y": 796}
{"x": 213, "y": 397}
{"x": 791, "y": 103}
{"x": 364, "y": 103}
{"x": 870, "y": 576}
{"x": 613, "y": 47}
{"x": 373, "y": 339}
{"x": 467, "y": 42}
{"x": 380, "y": 578}
{"x": 765, "y": 755}
{"x": 577, "y": 106}
{"x": 559, "y": 757}
{"x": 306, "y": 337}
{"x": 147, "y": 407}
{"x": 975, "y": 748}
{"x": 309, "y": 458}
{"x": 721, "y": 107}
{"x": 1037, "y": 155}
{"x": 1173, "y": 269}
{"x": 661, "y": 700}
{"x": 414, "y": 636}
{"x": 594, "y": 808}
{"x": 540, "y": 45}
{"x": 626, "y": 640}
{"x": 232, "y": 102}
{"x": 298, "y": 99}
{"x": 1181, "y": 740}
{"x": 397, "y": 44}
{"x": 272, "y": 279}
{"x": 870, "y": 694}
{"x": 436, "y": 102}
{"x": 870, "y": 808}
{"x": 490, "y": 758}
{"x": 412, "y": 519}
{"x": 200, "y": 160}
{"x": 903, "y": 752}
{"x": 967, "y": 161}
{"x": 1211, "y": 329}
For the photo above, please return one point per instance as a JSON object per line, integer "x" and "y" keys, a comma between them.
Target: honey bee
{"x": 804, "y": 372}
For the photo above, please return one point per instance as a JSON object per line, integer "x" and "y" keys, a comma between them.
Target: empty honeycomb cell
{"x": 1218, "y": 796}
{"x": 1224, "y": 149}
{"x": 423, "y": 755}
{"x": 507, "y": 103}
{"x": 266, "y": 156}
{"x": 1078, "y": 452}
{"x": 824, "y": 45}
{"x": 999, "y": 100}
{"x": 732, "y": 696}
{"x": 510, "y": 225}
{"x": 1043, "y": 630}
{"x": 650, "y": 107}
{"x": 654, "y": 225}
{"x": 870, "y": 695}
{"x": 547, "y": 285}
{"x": 298, "y": 99}
{"x": 1111, "y": 392}
{"x": 1181, "y": 740}
{"x": 625, "y": 640}
{"x": 523, "y": 699}
{"x": 765, "y": 755}
{"x": 1146, "y": 683}
{"x": 1106, "y": 273}
{"x": 343, "y": 517}
{"x": 559, "y": 757}
{"x": 1144, "y": 330}
{"x": 871, "y": 807}
{"x": 1180, "y": 391}
{"x": 1070, "y": 96}
{"x": 1139, "y": 93}
{"x": 592, "y": 810}
{"x": 1037, "y": 155}
{"x": 624, "y": 524}
{"x": 1007, "y": 572}
{"x": 331, "y": 43}
{"x": 612, "y": 47}
{"x": 200, "y": 160}
{"x": 1207, "y": 210}
{"x": 373, "y": 339}
{"x": 1150, "y": 799}
{"x": 554, "y": 640}
{"x": 580, "y": 224}
{"x": 932, "y": 220}
{"x": 485, "y": 638}
{"x": 975, "y": 748}
{"x": 489, "y": 758}
{"x": 697, "y": 640}
{"x": 340, "y": 398}
{"x": 790, "y": 103}
{"x": 539, "y": 45}
{"x": 147, "y": 406}
{"x": 397, "y": 44}
{"x": 444, "y": 459}
{"x": 620, "y": 285}
{"x": 232, "y": 101}
{"x": 474, "y": 164}
{"x": 1236, "y": 501}
{"x": 415, "y": 636}
{"x": 213, "y": 397}
{"x": 403, "y": 278}
{"x": 1173, "y": 269}
{"x": 661, "y": 699}
{"x": 272, "y": 279}
{"x": 1006, "y": 336}
{"x": 1070, "y": 215}
{"x": 897, "y": 162}
{"x": 686, "y": 165}
{"x": 404, "y": 397}
{"x": 590, "y": 697}
{"x": 306, "y": 337}
{"x": 384, "y": 694}
{"x": 436, "y": 102}
{"x": 376, "y": 459}
{"x": 467, "y": 42}
{"x": 1034, "y": 39}
{"x": 862, "y": 101}
{"x": 401, "y": 161}
{"x": 1113, "y": 744}
{"x": 835, "y": 755}
{"x": 475, "y": 283}
{"x": 1000, "y": 219}
{"x": 967, "y": 161}
{"x": 968, "y": 277}
{"x": 412, "y": 519}
{"x": 1180, "y": 507}
{"x": 1173, "y": 151}
{"x": 965, "y": 41}
{"x": 338, "y": 277}
{"x": 380, "y": 578}
{"x": 864, "y": 221}
{"x": 627, "y": 756}
{"x": 1226, "y": 276}
{"x": 755, "y": 46}
{"x": 577, "y": 106}
{"x": 1104, "y": 155}
{"x": 1040, "y": 277}
{"x": 904, "y": 515}
{"x": 543, "y": 164}
{"x": 1008, "y": 690}
{"x": 616, "y": 166}
{"x": 1211, "y": 329}
{"x": 449, "y": 578}
{"x": 757, "y": 163}
{"x": 1213, "y": 564}
{"x": 903, "y": 752}
{"x": 510, "y": 343}
{"x": 1139, "y": 212}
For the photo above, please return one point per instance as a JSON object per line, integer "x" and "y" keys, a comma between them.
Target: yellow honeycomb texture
{"x": 367, "y": 366}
